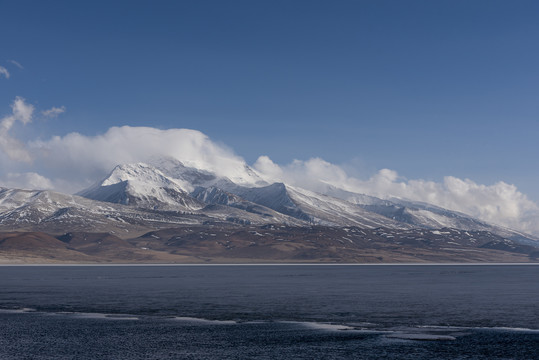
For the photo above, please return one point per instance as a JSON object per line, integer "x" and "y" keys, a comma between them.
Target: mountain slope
{"x": 312, "y": 207}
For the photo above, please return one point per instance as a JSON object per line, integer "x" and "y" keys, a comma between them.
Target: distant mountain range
{"x": 136, "y": 199}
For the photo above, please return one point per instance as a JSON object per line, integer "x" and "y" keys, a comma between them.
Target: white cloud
{"x": 312, "y": 174}
{"x": 29, "y": 180}
{"x": 81, "y": 159}
{"x": 13, "y": 148}
{"x": 3, "y": 71}
{"x": 271, "y": 171}
{"x": 53, "y": 112}
{"x": 500, "y": 203}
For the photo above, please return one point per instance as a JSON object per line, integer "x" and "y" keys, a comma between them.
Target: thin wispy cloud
{"x": 17, "y": 64}
{"x": 53, "y": 112}
{"x": 4, "y": 72}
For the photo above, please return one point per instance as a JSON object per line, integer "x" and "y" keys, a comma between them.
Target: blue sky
{"x": 426, "y": 88}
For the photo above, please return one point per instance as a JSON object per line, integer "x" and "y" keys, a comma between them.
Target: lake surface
{"x": 268, "y": 312}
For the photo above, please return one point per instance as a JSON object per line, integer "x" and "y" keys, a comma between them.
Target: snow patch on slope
{"x": 144, "y": 186}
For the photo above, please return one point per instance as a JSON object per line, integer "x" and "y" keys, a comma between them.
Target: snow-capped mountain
{"x": 166, "y": 211}
{"x": 168, "y": 184}
{"x": 164, "y": 186}
{"x": 166, "y": 193}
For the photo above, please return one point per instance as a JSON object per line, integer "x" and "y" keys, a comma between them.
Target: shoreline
{"x": 266, "y": 264}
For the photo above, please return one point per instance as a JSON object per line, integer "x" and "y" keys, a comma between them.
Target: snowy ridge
{"x": 352, "y": 197}
{"x": 189, "y": 177}
{"x": 215, "y": 195}
{"x": 332, "y": 211}
{"x": 141, "y": 176}
{"x": 274, "y": 196}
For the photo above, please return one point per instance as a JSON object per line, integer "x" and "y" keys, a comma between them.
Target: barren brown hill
{"x": 37, "y": 246}
{"x": 225, "y": 243}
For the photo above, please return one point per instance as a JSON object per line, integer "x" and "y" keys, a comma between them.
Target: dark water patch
{"x": 37, "y": 336}
{"x": 395, "y": 295}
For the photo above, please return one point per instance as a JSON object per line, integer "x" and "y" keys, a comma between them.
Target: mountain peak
{"x": 133, "y": 172}
{"x": 142, "y": 185}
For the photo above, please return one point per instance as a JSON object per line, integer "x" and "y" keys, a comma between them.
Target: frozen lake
{"x": 295, "y": 311}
